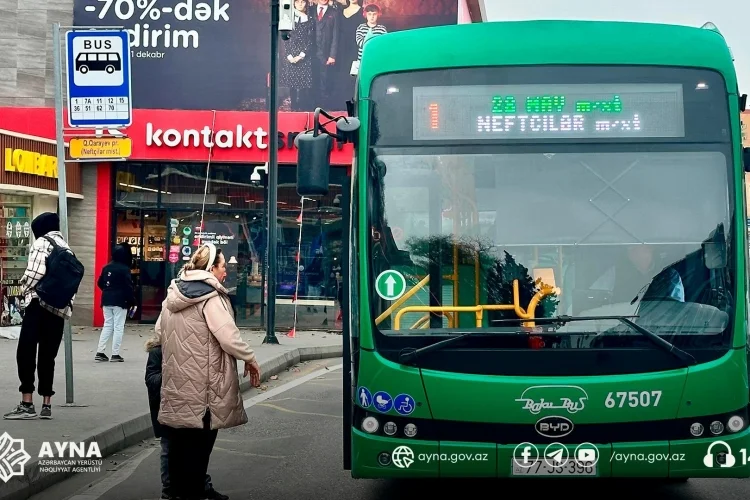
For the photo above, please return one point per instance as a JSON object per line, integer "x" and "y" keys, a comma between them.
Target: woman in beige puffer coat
{"x": 200, "y": 385}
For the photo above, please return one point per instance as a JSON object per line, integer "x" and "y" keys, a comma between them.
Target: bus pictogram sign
{"x": 99, "y": 88}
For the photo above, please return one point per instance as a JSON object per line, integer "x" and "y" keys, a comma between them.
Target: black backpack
{"x": 62, "y": 278}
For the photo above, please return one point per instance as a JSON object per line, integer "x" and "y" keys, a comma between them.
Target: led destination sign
{"x": 587, "y": 111}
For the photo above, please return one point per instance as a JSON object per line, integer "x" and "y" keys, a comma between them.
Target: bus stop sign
{"x": 99, "y": 87}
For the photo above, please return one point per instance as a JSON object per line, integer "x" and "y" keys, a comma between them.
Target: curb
{"x": 112, "y": 439}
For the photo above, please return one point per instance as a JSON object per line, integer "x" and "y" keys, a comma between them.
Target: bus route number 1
{"x": 634, "y": 399}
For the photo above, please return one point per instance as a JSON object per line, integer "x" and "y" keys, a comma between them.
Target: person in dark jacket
{"x": 153, "y": 385}
{"x": 118, "y": 295}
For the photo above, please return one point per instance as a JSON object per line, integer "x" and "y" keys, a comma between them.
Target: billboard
{"x": 215, "y": 54}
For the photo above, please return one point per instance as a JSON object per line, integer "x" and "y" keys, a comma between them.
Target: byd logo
{"x": 554, "y": 427}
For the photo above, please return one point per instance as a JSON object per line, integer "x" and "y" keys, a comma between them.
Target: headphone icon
{"x": 708, "y": 460}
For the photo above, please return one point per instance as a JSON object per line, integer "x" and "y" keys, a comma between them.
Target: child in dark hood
{"x": 153, "y": 384}
{"x": 118, "y": 295}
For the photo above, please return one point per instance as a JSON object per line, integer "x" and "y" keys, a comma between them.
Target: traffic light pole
{"x": 273, "y": 179}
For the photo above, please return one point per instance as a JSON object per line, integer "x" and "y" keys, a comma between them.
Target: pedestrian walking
{"x": 50, "y": 284}
{"x": 153, "y": 385}
{"x": 118, "y": 295}
{"x": 201, "y": 345}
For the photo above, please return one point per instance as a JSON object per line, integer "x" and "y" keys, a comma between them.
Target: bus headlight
{"x": 696, "y": 429}
{"x": 390, "y": 428}
{"x": 716, "y": 427}
{"x": 410, "y": 430}
{"x": 384, "y": 458}
{"x": 736, "y": 423}
{"x": 370, "y": 425}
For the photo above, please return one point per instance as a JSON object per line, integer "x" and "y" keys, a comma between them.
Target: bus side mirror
{"x": 313, "y": 163}
{"x": 746, "y": 158}
{"x": 714, "y": 255}
{"x": 348, "y": 129}
{"x": 314, "y": 149}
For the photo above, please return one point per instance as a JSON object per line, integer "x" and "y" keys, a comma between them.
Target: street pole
{"x": 273, "y": 179}
{"x": 264, "y": 267}
{"x": 62, "y": 197}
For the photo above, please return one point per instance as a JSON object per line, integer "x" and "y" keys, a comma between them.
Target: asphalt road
{"x": 291, "y": 449}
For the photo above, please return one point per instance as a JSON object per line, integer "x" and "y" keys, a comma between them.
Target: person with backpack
{"x": 50, "y": 284}
{"x": 118, "y": 295}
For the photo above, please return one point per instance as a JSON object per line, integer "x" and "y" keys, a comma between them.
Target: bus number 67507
{"x": 634, "y": 399}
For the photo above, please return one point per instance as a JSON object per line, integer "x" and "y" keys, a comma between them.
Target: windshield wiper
{"x": 410, "y": 354}
{"x": 666, "y": 346}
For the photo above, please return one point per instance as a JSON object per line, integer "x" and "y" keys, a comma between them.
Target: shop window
{"x": 153, "y": 282}
{"x": 237, "y": 236}
{"x": 15, "y": 241}
{"x": 229, "y": 187}
{"x": 310, "y": 240}
{"x": 137, "y": 185}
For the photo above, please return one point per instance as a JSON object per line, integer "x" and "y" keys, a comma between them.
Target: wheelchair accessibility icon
{"x": 403, "y": 404}
{"x": 723, "y": 458}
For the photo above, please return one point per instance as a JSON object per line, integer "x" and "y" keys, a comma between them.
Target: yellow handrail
{"x": 425, "y": 320}
{"x": 403, "y": 299}
{"x": 478, "y": 310}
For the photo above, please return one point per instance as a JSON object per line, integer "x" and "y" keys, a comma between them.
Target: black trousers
{"x": 325, "y": 78}
{"x": 301, "y": 100}
{"x": 188, "y": 456}
{"x": 42, "y": 329}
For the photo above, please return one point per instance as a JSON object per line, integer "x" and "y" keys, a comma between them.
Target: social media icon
{"x": 556, "y": 455}
{"x": 525, "y": 455}
{"x": 586, "y": 454}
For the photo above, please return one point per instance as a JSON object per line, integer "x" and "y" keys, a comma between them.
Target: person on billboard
{"x": 327, "y": 44}
{"x": 348, "y": 24}
{"x": 369, "y": 28}
{"x": 296, "y": 73}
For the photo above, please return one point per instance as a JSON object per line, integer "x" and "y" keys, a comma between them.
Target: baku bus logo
{"x": 553, "y": 397}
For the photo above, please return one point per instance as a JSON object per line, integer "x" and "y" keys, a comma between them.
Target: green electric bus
{"x": 546, "y": 253}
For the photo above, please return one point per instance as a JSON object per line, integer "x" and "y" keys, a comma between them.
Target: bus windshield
{"x": 548, "y": 228}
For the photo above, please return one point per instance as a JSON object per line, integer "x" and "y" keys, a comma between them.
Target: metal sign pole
{"x": 273, "y": 180}
{"x": 62, "y": 197}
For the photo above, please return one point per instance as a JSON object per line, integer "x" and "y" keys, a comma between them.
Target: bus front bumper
{"x": 383, "y": 457}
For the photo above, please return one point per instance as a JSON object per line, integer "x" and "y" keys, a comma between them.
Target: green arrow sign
{"x": 390, "y": 285}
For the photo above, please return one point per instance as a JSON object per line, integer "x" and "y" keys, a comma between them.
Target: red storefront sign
{"x": 189, "y": 136}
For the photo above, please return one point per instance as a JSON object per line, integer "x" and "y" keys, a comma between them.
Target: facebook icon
{"x": 525, "y": 455}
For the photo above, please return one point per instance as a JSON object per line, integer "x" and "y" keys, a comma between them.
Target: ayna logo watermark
{"x": 53, "y": 457}
{"x": 13, "y": 457}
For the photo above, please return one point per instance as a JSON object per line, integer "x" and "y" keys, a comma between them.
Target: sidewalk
{"x": 114, "y": 404}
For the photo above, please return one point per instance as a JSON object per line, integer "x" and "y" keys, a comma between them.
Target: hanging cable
{"x": 293, "y": 331}
{"x": 208, "y": 176}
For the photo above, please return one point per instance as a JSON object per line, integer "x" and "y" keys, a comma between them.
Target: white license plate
{"x": 542, "y": 468}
